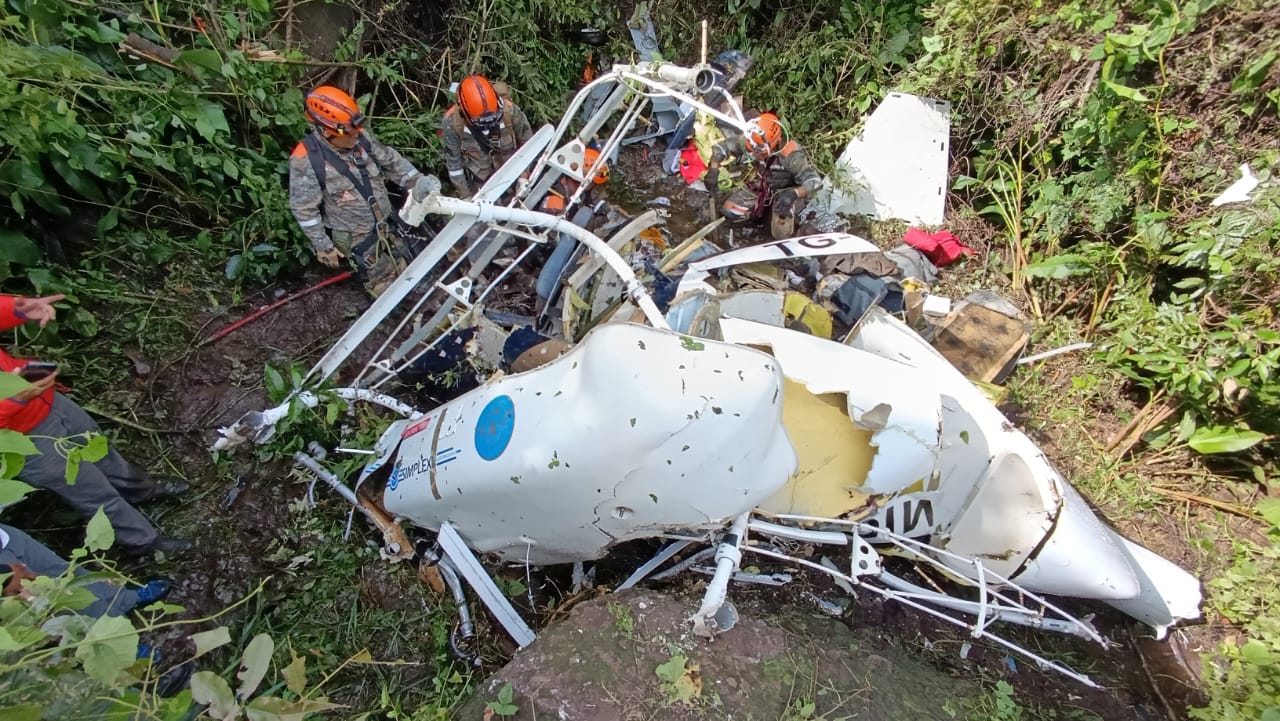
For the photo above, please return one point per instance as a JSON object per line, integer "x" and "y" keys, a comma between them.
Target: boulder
{"x": 632, "y": 656}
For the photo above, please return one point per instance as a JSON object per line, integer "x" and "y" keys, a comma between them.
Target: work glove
{"x": 785, "y": 202}
{"x": 712, "y": 180}
{"x": 331, "y": 258}
{"x": 425, "y": 186}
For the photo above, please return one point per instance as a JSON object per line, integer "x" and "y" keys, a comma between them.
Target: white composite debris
{"x": 1239, "y": 191}
{"x": 897, "y": 166}
{"x": 557, "y": 464}
{"x": 809, "y": 246}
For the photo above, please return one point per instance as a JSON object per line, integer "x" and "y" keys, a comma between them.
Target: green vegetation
{"x": 1088, "y": 140}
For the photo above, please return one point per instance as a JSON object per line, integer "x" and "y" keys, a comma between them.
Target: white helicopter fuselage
{"x": 633, "y": 433}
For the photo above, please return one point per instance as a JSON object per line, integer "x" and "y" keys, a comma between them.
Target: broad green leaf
{"x": 673, "y": 669}
{"x": 1271, "y": 714}
{"x": 124, "y": 708}
{"x": 105, "y": 33}
{"x": 12, "y": 491}
{"x": 72, "y": 471}
{"x": 206, "y": 641}
{"x": 99, "y": 535}
{"x": 275, "y": 381}
{"x": 200, "y": 59}
{"x": 254, "y": 664}
{"x": 16, "y": 638}
{"x": 1256, "y": 652}
{"x": 1220, "y": 439}
{"x": 110, "y": 647}
{"x": 1269, "y": 509}
{"x": 176, "y": 708}
{"x": 69, "y": 628}
{"x": 83, "y": 322}
{"x": 1126, "y": 92}
{"x": 1059, "y": 266}
{"x": 18, "y": 248}
{"x": 96, "y": 449}
{"x": 21, "y": 712}
{"x": 78, "y": 180}
{"x": 15, "y": 442}
{"x": 1255, "y": 75}
{"x": 270, "y": 708}
{"x": 295, "y": 674}
{"x": 209, "y": 689}
{"x": 209, "y": 119}
{"x": 11, "y": 384}
{"x": 73, "y": 598}
{"x": 11, "y": 464}
{"x": 1187, "y": 426}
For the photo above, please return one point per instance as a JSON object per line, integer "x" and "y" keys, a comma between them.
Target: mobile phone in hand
{"x": 36, "y": 371}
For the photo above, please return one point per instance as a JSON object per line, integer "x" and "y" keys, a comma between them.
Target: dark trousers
{"x": 112, "y": 483}
{"x": 112, "y": 600}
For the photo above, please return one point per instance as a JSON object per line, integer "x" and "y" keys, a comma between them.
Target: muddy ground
{"x": 186, "y": 397}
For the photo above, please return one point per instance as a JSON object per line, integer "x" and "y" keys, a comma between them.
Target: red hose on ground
{"x": 263, "y": 311}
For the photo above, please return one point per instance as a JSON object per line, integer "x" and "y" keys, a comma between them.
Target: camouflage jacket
{"x": 469, "y": 163}
{"x": 787, "y": 168}
{"x": 340, "y": 206}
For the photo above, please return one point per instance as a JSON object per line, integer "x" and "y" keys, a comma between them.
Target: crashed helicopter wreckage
{"x": 712, "y": 427}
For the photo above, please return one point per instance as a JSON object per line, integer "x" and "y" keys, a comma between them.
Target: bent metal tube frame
{"x": 544, "y": 159}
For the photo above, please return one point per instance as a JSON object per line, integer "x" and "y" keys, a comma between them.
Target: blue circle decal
{"x": 494, "y": 428}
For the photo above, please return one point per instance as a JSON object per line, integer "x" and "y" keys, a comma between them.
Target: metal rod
{"x": 488, "y": 212}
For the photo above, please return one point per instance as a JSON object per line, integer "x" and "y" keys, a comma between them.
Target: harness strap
{"x": 319, "y": 152}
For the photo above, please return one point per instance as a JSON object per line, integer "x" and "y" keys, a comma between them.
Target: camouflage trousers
{"x": 380, "y": 263}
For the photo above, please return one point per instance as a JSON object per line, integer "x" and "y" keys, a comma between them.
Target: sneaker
{"x": 173, "y": 681}
{"x": 171, "y": 546}
{"x": 155, "y": 590}
{"x": 167, "y": 545}
{"x": 171, "y": 488}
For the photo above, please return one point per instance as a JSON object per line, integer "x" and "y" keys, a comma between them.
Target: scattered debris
{"x": 897, "y": 166}
{"x": 1238, "y": 192}
{"x": 983, "y": 336}
{"x": 731, "y": 423}
{"x": 941, "y": 248}
{"x": 1055, "y": 352}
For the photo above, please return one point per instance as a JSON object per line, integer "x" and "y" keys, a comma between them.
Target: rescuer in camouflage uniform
{"x": 481, "y": 132}
{"x": 784, "y": 177}
{"x": 338, "y": 190}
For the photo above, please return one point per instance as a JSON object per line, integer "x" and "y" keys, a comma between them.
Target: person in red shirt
{"x": 46, "y": 416}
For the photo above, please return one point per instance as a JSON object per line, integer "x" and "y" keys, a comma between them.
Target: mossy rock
{"x": 632, "y": 656}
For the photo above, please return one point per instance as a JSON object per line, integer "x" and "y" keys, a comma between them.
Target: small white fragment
{"x": 936, "y": 305}
{"x": 1239, "y": 190}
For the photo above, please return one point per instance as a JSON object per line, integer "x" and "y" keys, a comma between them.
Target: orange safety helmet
{"x": 334, "y": 110}
{"x": 764, "y": 132}
{"x": 480, "y": 103}
{"x": 589, "y": 159}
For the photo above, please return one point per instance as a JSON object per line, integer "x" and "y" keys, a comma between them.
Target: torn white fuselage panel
{"x": 932, "y": 477}
{"x": 902, "y": 411}
{"x": 1079, "y": 555}
{"x": 633, "y": 432}
{"x": 809, "y": 246}
{"x": 897, "y": 166}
